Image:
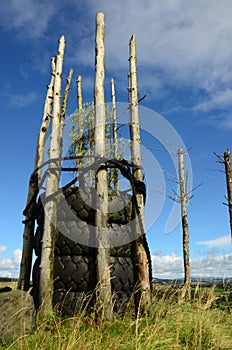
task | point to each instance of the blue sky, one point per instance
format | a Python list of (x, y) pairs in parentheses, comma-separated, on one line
[(184, 57)]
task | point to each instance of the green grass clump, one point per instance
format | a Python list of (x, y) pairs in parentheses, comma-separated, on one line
[(171, 324)]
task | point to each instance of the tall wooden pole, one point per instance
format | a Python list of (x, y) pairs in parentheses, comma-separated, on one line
[(228, 171), (79, 93), (115, 137), (80, 124), (142, 268), (52, 186), (65, 100), (103, 254), (183, 198), (28, 235), (90, 140)]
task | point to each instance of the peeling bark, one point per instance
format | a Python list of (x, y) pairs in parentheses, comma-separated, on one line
[(28, 235), (142, 262), (80, 124), (52, 185), (183, 198), (103, 254)]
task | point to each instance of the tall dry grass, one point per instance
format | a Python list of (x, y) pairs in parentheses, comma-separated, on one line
[(170, 324)]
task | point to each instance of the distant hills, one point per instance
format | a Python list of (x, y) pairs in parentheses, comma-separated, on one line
[(203, 281), (8, 279)]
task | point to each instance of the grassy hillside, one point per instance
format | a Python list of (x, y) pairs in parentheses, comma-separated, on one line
[(203, 323)]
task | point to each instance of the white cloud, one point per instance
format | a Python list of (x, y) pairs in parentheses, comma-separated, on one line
[(219, 100), (167, 266), (17, 255), (212, 266), (171, 266), (180, 43), (9, 267), (30, 18), (22, 100), (226, 122), (218, 242), (2, 248)]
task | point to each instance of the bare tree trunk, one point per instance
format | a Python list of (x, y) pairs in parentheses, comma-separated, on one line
[(52, 185), (80, 109), (64, 107), (65, 100), (183, 197), (228, 171), (80, 124), (140, 252), (28, 235), (79, 93), (115, 137), (103, 255), (90, 138)]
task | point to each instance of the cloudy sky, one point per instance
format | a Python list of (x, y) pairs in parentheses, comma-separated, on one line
[(184, 57)]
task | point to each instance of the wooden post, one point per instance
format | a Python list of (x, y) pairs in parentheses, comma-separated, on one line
[(80, 124), (115, 137), (79, 92), (103, 255), (66, 94), (142, 268), (52, 186), (228, 171), (90, 140), (183, 198), (28, 235)]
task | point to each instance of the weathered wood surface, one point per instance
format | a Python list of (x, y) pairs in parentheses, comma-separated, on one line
[(114, 135), (141, 257), (52, 186), (28, 234), (183, 200), (228, 170), (104, 296)]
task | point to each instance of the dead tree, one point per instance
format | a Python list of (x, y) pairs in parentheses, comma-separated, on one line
[(48, 227), (183, 197), (226, 161), (101, 223), (52, 186), (28, 235), (183, 201), (141, 258), (228, 171)]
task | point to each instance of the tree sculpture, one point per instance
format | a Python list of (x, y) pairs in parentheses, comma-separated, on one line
[(68, 267)]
